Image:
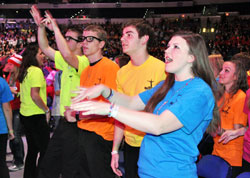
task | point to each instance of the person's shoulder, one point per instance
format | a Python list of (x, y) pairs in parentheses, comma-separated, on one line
[(2, 79), (156, 60), (58, 54), (3, 83), (109, 63), (248, 92), (200, 85), (156, 64), (240, 94), (82, 57), (36, 69)]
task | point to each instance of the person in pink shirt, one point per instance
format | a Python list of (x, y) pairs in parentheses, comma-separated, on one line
[(246, 145)]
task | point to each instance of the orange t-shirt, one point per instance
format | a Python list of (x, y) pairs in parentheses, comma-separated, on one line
[(231, 113), (103, 72)]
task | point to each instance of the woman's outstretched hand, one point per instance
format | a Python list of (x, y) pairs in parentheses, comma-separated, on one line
[(89, 93), (90, 108)]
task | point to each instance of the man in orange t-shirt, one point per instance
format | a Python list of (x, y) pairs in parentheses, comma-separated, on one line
[(96, 135)]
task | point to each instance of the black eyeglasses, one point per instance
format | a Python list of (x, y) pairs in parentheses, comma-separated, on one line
[(89, 38), (68, 38)]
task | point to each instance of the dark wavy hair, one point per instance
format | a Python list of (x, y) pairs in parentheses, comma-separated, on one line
[(143, 28), (29, 59), (241, 81), (244, 57), (200, 68)]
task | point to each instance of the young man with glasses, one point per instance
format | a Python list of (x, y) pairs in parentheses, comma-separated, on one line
[(96, 135), (62, 153)]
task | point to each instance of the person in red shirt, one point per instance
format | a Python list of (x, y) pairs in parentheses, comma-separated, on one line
[(16, 145)]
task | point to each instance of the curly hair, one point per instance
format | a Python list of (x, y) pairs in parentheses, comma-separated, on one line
[(29, 59)]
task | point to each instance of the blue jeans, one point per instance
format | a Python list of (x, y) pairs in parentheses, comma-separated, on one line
[(16, 145)]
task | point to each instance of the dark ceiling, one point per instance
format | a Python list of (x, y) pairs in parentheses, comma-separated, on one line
[(139, 11)]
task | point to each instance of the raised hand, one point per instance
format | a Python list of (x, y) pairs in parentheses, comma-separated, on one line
[(36, 15), (49, 21)]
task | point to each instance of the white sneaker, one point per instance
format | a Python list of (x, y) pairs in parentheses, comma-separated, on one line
[(14, 167)]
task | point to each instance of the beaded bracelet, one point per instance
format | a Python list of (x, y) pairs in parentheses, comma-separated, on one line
[(113, 110), (110, 94), (110, 109)]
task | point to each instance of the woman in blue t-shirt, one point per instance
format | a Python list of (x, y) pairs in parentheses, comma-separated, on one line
[(6, 127), (177, 111)]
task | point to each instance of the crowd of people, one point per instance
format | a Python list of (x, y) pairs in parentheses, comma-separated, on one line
[(108, 87), (231, 36)]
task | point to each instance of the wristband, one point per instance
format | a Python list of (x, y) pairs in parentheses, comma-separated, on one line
[(113, 110), (110, 109), (110, 94), (47, 111), (114, 152), (11, 131)]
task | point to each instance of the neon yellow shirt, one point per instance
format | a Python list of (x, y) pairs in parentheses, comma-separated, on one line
[(70, 78), (132, 80), (34, 78)]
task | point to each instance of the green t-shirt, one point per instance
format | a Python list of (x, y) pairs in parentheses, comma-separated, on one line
[(70, 78), (34, 78)]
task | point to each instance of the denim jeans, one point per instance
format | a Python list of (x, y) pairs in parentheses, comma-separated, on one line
[(16, 145)]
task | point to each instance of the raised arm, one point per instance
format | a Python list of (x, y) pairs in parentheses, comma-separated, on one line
[(41, 33), (62, 45)]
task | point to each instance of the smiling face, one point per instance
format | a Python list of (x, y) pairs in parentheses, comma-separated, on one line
[(177, 57), (130, 40), (227, 75)]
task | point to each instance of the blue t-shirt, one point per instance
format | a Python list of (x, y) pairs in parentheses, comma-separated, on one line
[(5, 96), (174, 154)]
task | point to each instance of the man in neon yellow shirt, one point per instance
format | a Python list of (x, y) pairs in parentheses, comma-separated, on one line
[(143, 72), (62, 153)]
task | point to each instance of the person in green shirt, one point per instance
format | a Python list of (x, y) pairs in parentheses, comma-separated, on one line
[(34, 112), (62, 154)]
